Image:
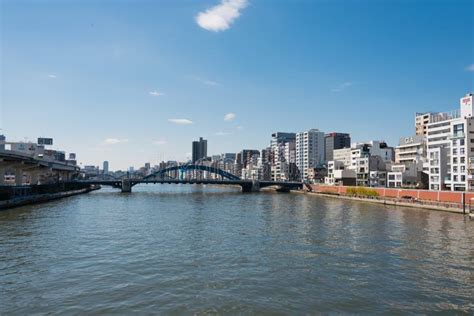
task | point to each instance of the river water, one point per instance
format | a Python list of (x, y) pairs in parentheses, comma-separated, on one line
[(190, 249)]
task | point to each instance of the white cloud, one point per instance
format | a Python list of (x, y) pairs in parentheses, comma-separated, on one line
[(220, 17), (470, 67), (207, 82), (52, 76), (342, 86), (180, 121), (160, 142), (156, 93), (229, 117), (221, 134), (114, 141)]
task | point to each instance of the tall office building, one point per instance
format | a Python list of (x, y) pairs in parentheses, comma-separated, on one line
[(105, 167), (309, 151), (335, 141), (199, 149)]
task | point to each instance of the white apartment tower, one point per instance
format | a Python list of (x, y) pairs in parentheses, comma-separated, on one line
[(450, 146), (309, 151)]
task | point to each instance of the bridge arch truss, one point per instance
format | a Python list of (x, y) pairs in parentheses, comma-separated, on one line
[(191, 167)]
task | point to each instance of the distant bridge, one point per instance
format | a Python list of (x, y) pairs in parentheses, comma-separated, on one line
[(226, 179)]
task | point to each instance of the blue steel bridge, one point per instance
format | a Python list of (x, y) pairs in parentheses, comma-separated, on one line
[(192, 174)]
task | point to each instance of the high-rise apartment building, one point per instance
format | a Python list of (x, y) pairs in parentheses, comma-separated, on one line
[(309, 151), (334, 141), (199, 150), (450, 147), (282, 146)]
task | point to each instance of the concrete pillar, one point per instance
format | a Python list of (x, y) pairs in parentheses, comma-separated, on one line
[(2, 176), (18, 176), (126, 186), (251, 187), (34, 177), (255, 186)]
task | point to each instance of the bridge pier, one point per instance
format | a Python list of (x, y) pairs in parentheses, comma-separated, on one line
[(2, 176), (34, 177), (251, 187), (283, 189), (18, 176), (126, 186)]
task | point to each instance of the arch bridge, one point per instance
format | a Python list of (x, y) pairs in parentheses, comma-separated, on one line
[(192, 174)]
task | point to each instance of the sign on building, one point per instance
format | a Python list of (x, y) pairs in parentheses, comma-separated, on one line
[(45, 141)]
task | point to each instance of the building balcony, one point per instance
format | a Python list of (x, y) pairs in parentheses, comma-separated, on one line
[(457, 135)]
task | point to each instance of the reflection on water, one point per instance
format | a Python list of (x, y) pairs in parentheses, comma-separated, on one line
[(203, 249)]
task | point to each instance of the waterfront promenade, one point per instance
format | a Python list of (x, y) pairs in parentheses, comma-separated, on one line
[(458, 202)]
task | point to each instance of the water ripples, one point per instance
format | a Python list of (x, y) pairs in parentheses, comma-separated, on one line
[(211, 250)]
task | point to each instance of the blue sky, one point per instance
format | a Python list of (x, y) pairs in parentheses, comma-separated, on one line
[(118, 80)]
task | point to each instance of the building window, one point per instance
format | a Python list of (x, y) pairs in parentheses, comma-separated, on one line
[(458, 129)]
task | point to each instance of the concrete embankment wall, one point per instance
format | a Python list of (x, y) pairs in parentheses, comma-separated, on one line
[(41, 198), (437, 200)]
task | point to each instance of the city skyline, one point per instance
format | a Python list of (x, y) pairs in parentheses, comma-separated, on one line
[(129, 84)]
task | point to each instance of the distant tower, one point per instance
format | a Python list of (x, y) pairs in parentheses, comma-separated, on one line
[(106, 167), (2, 142), (199, 149)]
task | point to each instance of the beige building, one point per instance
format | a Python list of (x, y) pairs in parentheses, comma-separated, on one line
[(421, 123), (410, 149)]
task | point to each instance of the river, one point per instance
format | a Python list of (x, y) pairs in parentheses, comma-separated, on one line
[(190, 249)]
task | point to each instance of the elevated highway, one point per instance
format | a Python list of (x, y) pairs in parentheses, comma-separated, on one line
[(24, 165)]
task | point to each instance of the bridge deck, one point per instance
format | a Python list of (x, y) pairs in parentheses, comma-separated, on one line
[(195, 181)]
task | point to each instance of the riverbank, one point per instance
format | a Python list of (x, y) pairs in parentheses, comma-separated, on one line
[(42, 198), (407, 198), (389, 202)]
